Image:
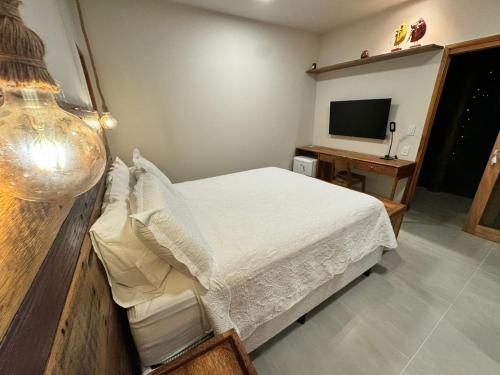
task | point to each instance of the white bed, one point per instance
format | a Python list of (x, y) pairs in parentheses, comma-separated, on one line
[(282, 243)]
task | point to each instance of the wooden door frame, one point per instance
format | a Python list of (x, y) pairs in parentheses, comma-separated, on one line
[(488, 181), (449, 51)]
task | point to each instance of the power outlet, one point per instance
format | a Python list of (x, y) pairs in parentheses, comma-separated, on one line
[(405, 150), (412, 129)]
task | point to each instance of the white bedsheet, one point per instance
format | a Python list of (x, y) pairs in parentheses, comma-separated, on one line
[(166, 324), (277, 236)]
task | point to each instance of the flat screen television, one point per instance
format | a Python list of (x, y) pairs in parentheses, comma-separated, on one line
[(360, 118)]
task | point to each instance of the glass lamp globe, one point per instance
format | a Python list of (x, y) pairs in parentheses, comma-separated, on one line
[(91, 118), (46, 153)]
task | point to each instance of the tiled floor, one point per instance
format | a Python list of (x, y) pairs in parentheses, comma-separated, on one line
[(431, 307)]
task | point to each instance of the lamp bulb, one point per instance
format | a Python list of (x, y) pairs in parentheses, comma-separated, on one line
[(46, 153), (108, 121)]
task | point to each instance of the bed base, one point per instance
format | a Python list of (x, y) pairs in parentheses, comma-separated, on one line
[(302, 319), (299, 311)]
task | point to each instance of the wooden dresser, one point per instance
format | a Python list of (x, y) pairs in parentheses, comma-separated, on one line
[(397, 169), (221, 355)]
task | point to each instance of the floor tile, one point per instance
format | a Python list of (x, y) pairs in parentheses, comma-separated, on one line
[(434, 224), (447, 242), (420, 268), (467, 340), (492, 261), (331, 342), (403, 313), (447, 209)]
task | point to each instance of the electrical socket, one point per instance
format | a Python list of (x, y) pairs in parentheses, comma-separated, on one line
[(405, 150), (411, 129)]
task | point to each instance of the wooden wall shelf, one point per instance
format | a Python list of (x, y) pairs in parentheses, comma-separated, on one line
[(376, 58)]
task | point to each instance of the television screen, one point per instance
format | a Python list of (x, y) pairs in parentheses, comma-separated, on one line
[(360, 118)]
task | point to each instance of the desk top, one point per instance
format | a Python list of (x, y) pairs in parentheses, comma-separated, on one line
[(397, 163)]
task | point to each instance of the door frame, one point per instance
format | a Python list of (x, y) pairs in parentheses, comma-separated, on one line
[(449, 51), (488, 182)]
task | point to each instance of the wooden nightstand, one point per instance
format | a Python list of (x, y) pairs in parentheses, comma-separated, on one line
[(221, 355)]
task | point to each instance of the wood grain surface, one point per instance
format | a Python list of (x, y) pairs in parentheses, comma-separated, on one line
[(486, 206), (33, 328), (27, 231), (56, 310), (221, 355), (377, 58), (362, 157)]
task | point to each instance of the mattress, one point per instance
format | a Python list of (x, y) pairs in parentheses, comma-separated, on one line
[(167, 324)]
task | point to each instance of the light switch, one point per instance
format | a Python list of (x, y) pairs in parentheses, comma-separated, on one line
[(411, 130), (405, 150)]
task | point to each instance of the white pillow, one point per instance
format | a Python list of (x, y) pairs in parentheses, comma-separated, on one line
[(135, 273), (117, 182), (144, 165), (165, 224)]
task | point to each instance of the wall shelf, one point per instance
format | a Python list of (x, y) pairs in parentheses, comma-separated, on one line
[(376, 58)]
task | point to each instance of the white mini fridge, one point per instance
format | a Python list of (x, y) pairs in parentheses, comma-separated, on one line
[(305, 165)]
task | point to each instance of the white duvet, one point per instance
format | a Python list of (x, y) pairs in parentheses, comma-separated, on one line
[(276, 237)]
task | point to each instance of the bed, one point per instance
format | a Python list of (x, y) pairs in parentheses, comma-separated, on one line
[(283, 243)]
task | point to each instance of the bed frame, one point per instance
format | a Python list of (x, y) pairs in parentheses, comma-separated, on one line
[(315, 298), (57, 315)]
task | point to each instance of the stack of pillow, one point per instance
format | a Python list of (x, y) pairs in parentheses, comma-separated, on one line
[(145, 229)]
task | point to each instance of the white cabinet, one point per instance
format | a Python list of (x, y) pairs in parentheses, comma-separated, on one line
[(305, 165)]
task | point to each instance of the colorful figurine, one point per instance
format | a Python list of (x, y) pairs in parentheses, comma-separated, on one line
[(400, 36), (418, 30)]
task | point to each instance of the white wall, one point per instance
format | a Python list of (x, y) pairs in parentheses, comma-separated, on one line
[(52, 21), (409, 81), (201, 93)]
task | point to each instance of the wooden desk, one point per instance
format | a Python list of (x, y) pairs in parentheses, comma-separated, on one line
[(397, 169)]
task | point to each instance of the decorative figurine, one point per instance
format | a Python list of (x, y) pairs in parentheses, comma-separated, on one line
[(400, 36), (365, 54), (418, 30)]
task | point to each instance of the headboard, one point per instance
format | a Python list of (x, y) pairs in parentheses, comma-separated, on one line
[(57, 315)]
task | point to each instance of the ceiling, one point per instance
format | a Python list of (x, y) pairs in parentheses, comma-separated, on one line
[(312, 15)]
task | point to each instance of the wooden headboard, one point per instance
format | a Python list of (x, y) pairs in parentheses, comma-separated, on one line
[(57, 315)]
